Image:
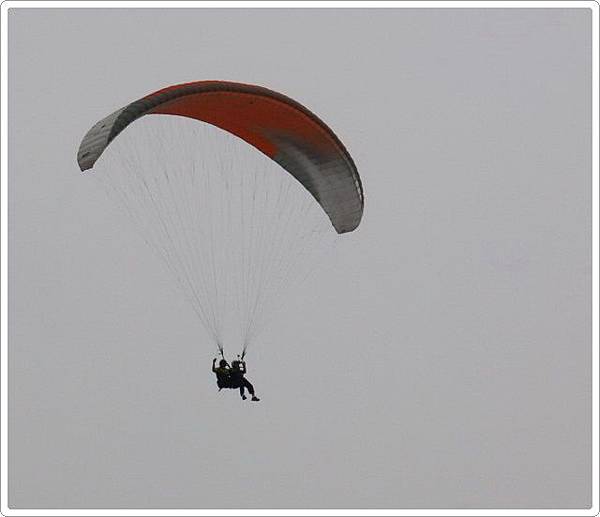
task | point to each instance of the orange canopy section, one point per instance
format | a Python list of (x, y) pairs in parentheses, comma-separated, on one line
[(251, 116)]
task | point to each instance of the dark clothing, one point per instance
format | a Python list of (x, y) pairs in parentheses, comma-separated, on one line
[(224, 382), (245, 384), (238, 369), (237, 377), (223, 377)]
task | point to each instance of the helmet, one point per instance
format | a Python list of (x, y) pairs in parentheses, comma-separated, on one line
[(222, 363)]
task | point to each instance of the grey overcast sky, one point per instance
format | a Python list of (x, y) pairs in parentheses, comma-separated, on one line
[(442, 356)]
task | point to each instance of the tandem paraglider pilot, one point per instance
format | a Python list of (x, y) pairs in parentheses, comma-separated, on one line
[(233, 377)]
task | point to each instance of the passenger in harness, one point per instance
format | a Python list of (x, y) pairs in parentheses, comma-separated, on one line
[(223, 374)]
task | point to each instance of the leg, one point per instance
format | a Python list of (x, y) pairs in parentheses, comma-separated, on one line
[(246, 384), (242, 394)]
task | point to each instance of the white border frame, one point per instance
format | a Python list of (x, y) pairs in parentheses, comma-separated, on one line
[(6, 5)]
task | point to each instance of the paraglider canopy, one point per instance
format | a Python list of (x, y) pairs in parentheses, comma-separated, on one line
[(233, 228), (278, 126)]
